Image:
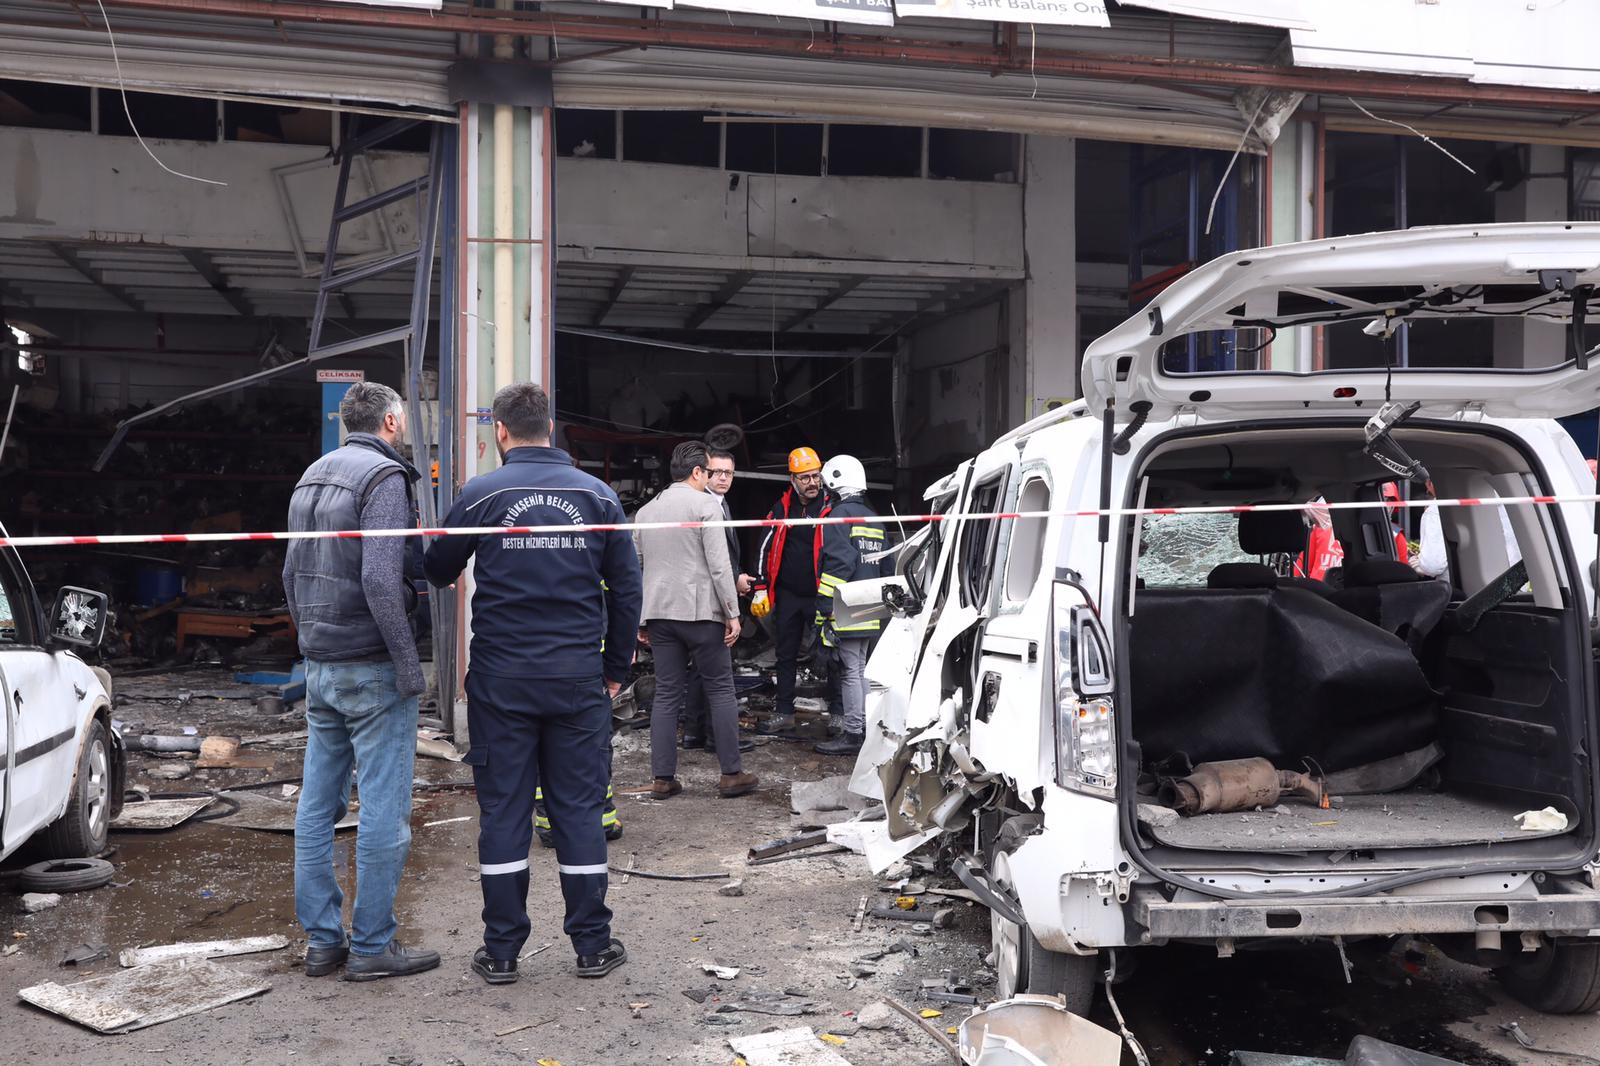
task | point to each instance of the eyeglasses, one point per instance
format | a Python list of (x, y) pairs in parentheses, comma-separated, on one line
[(719, 473), (808, 479)]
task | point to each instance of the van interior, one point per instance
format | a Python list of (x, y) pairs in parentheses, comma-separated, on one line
[(1429, 665)]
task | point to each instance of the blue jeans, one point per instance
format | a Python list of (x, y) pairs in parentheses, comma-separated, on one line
[(354, 716)]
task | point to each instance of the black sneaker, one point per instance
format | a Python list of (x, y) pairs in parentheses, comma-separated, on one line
[(694, 741), (493, 970), (843, 744), (604, 961), (322, 961), (396, 961)]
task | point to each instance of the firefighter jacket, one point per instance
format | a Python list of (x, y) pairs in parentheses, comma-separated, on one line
[(772, 576), (845, 557)]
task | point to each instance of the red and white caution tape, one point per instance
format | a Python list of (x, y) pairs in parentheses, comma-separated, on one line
[(770, 523)]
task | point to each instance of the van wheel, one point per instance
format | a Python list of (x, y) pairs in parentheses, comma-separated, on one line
[(81, 832), (1561, 979), (1022, 964)]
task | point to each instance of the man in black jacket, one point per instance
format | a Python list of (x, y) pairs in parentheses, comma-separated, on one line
[(351, 601), (555, 618), (790, 555)]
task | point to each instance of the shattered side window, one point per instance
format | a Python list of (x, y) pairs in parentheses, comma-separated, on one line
[(8, 620), (1180, 550)]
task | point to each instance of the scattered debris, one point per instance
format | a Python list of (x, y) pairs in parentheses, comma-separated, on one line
[(1156, 816), (163, 813), (921, 1020), (202, 949), (431, 742), (222, 753), (1548, 820), (34, 902), (447, 821), (768, 1003), (774, 848), (863, 969), (1035, 1031), (966, 998), (520, 1028), (786, 1047), (289, 791), (629, 871), (828, 794), (875, 1016), (861, 914), (126, 1000), (271, 815), (732, 888), (82, 953), (700, 995), (1521, 1036), (719, 971), (147, 742), (525, 956), (9, 950), (166, 771)]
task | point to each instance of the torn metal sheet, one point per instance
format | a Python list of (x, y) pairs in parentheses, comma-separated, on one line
[(156, 814), (202, 949), (828, 794), (787, 1047), (126, 1000), (872, 840), (432, 744), (271, 815), (1035, 1031)]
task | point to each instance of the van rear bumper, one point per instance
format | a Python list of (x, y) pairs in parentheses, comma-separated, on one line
[(1571, 913)]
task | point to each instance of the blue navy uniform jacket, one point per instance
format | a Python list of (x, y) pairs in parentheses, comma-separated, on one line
[(540, 609)]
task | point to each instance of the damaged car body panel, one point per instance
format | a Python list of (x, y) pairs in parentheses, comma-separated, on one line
[(1219, 724)]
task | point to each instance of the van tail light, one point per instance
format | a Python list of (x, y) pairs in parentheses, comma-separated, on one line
[(1086, 724)]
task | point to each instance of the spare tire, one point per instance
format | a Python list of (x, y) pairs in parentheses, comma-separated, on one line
[(66, 875)]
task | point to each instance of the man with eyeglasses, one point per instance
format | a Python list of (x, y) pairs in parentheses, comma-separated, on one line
[(790, 558), (695, 734)]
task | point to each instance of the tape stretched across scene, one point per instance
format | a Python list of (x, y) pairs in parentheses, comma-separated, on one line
[(773, 523)]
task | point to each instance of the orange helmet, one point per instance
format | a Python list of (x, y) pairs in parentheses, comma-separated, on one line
[(803, 461)]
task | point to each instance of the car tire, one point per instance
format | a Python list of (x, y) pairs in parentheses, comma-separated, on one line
[(1563, 978), (66, 875), (82, 831), (1023, 965)]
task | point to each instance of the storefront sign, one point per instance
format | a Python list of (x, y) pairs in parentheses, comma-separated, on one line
[(340, 377), (866, 12), (1042, 12)]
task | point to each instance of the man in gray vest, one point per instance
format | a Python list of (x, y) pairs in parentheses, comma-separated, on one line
[(351, 604)]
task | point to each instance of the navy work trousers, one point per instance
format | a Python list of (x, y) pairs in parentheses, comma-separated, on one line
[(526, 732)]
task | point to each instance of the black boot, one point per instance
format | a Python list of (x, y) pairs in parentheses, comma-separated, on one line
[(843, 744), (493, 970), (603, 961)]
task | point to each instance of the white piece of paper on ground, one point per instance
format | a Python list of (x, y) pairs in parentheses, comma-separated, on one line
[(202, 949), (786, 1047), (126, 1000)]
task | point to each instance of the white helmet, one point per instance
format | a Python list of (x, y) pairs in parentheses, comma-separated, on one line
[(845, 475)]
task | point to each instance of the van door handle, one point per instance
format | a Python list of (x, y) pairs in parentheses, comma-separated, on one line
[(16, 698)]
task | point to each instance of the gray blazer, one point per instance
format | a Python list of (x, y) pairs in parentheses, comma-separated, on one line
[(687, 573)]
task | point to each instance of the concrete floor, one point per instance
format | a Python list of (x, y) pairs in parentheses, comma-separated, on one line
[(791, 931)]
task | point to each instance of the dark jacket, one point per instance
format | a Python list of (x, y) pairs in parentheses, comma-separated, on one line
[(545, 604), (789, 548), (322, 578), (844, 551)]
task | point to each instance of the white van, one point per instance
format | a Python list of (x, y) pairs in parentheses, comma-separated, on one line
[(62, 765), (1047, 688)]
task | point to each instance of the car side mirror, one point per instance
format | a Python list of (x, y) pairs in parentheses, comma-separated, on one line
[(78, 618)]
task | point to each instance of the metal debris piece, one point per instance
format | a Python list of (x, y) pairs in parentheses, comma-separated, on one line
[(699, 995), (447, 821), (921, 1022), (774, 848), (732, 888), (271, 815), (720, 972), (629, 871), (861, 914), (434, 746), (82, 953), (202, 949), (950, 997), (1035, 1031), (520, 1028), (875, 1016), (126, 1000), (158, 814), (166, 771)]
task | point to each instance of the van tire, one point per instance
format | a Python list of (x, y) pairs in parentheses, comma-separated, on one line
[(81, 831), (1051, 973), (1561, 979)]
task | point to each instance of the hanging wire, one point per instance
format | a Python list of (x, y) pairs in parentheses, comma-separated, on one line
[(1249, 128), (1426, 139), (123, 89)]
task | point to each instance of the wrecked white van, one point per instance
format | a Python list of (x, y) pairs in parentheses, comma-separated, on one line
[(1207, 728)]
